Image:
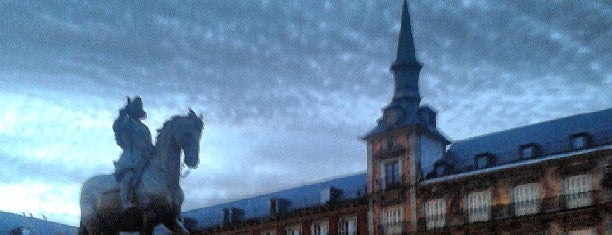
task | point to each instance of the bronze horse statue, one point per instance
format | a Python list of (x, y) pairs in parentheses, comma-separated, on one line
[(158, 194)]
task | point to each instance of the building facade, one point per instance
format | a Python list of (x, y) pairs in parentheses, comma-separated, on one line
[(553, 177), (335, 206)]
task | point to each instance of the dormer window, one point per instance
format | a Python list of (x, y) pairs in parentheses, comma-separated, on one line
[(580, 141), (528, 151), (278, 206), (232, 215), (440, 170), (484, 160), (427, 116)]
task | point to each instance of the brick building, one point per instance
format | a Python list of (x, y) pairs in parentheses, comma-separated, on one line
[(337, 206), (552, 177)]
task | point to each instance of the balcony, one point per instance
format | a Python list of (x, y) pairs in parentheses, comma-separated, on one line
[(398, 228), (382, 185), (526, 209)]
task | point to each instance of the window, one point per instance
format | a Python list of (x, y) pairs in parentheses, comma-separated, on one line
[(268, 232), (588, 231), (478, 206), (439, 170), (484, 160), (528, 151), (347, 226), (579, 141), (577, 190), (319, 228), (392, 220), (526, 199), (435, 213), (392, 172), (293, 230)]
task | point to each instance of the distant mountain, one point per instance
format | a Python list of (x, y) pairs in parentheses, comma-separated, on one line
[(10, 222)]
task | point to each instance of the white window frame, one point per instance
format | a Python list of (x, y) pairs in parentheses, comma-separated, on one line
[(293, 230), (320, 228), (268, 232), (577, 190), (344, 226), (586, 231), (478, 206), (435, 213), (383, 172), (526, 199), (392, 219)]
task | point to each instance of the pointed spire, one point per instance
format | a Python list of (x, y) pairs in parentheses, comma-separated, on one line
[(405, 45)]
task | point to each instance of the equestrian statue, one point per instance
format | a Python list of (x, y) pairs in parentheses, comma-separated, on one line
[(144, 191)]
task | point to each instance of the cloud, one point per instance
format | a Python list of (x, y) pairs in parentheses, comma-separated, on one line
[(286, 88)]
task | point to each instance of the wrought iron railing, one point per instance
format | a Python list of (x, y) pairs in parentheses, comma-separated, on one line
[(535, 207), (397, 228)]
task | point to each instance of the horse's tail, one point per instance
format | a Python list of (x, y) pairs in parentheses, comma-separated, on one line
[(85, 205), (82, 229)]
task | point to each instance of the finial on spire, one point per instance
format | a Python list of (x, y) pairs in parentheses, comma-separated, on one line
[(405, 46)]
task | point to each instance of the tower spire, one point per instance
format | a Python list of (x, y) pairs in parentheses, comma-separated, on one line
[(405, 45), (406, 67)]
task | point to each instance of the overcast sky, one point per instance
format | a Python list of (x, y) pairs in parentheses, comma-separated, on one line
[(286, 87)]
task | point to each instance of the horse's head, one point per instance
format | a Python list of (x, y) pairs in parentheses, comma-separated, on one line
[(188, 134)]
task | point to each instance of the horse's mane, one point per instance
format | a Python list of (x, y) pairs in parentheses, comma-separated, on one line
[(164, 130)]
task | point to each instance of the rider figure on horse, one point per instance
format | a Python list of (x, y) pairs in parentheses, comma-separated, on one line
[(134, 138)]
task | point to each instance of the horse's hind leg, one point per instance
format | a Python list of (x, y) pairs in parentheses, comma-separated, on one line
[(175, 225), (149, 220)]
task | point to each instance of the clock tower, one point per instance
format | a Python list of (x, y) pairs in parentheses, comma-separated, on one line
[(403, 146)]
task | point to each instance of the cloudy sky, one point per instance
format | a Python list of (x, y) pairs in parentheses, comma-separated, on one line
[(286, 87)]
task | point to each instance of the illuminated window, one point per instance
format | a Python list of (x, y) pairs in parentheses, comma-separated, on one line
[(577, 190), (392, 220), (478, 206), (268, 232), (526, 199), (347, 226), (293, 230), (435, 213), (588, 231), (320, 228)]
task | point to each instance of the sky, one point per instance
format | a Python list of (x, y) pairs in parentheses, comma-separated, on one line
[(286, 88)]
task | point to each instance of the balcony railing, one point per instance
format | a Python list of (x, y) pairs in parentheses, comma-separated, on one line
[(382, 185), (512, 210), (398, 228)]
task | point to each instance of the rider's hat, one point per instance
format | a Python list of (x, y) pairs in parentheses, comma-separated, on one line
[(135, 110)]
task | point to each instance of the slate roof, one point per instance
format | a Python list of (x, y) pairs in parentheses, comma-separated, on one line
[(10, 221), (551, 137), (352, 186), (411, 120)]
